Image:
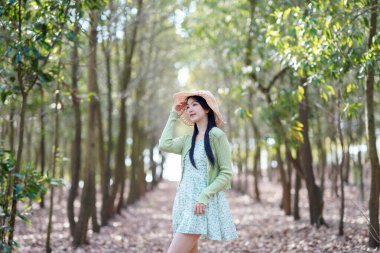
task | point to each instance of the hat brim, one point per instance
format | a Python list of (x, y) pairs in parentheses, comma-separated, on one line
[(180, 100)]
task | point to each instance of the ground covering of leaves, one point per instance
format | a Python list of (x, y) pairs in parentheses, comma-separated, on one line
[(262, 227)]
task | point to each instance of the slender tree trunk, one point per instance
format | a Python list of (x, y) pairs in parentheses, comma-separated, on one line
[(321, 153), (107, 169), (12, 128), (142, 133), (163, 158), (342, 162), (29, 137), (76, 143), (361, 133), (153, 165), (347, 164), (101, 153), (17, 165), (374, 238), (334, 169), (134, 189), (257, 156), (88, 193), (42, 142), (297, 187), (240, 170), (246, 156), (286, 199), (137, 183), (55, 155), (124, 82), (314, 192), (24, 103), (256, 174), (361, 179)]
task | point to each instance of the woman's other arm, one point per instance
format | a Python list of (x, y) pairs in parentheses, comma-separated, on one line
[(166, 142)]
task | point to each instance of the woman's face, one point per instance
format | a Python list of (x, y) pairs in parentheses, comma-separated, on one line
[(195, 111)]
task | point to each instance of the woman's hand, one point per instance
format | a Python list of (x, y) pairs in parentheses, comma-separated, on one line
[(179, 108), (199, 208)]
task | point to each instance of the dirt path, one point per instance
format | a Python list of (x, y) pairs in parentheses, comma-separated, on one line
[(262, 227)]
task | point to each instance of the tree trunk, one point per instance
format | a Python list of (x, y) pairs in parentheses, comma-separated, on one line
[(134, 189), (286, 198), (101, 153), (347, 167), (18, 164), (314, 192), (12, 128), (29, 137), (137, 183), (371, 129), (129, 47), (321, 153), (76, 143), (257, 156), (341, 164), (361, 179), (334, 168), (88, 193), (256, 173), (17, 169), (246, 156), (153, 165), (297, 187), (42, 142), (161, 165), (240, 170), (107, 169), (55, 153)]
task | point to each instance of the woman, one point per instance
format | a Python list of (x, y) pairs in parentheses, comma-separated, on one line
[(200, 207)]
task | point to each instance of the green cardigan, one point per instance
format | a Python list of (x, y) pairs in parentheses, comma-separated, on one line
[(219, 175)]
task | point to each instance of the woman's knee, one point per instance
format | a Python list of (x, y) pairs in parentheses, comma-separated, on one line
[(183, 243)]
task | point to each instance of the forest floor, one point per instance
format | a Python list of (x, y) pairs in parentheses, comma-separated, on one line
[(262, 227)]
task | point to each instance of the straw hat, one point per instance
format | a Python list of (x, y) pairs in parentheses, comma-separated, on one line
[(180, 100)]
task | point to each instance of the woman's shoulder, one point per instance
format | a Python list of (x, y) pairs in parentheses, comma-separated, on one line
[(217, 132)]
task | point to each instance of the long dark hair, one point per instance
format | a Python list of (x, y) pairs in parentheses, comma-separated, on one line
[(211, 123)]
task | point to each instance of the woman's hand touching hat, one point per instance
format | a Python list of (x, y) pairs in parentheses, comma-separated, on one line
[(180, 107)]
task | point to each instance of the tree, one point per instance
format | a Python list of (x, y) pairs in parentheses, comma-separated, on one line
[(374, 239), (129, 49), (87, 208), (28, 57), (77, 141)]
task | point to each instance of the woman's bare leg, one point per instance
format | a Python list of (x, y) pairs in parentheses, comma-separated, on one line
[(183, 243), (195, 248)]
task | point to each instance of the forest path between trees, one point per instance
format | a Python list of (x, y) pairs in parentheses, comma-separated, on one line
[(262, 227)]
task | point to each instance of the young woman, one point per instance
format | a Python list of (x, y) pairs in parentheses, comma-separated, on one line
[(200, 207)]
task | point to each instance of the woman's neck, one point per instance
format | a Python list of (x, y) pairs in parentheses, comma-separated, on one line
[(201, 129)]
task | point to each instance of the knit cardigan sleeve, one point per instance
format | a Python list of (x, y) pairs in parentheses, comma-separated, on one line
[(224, 165), (166, 142)]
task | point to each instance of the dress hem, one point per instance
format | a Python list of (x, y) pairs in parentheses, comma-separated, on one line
[(205, 237)]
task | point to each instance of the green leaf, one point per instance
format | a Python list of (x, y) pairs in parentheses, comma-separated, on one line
[(71, 36), (324, 96), (45, 77), (17, 58), (330, 89), (286, 13), (350, 88), (300, 93)]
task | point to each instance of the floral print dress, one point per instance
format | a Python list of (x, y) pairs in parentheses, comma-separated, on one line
[(217, 222)]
